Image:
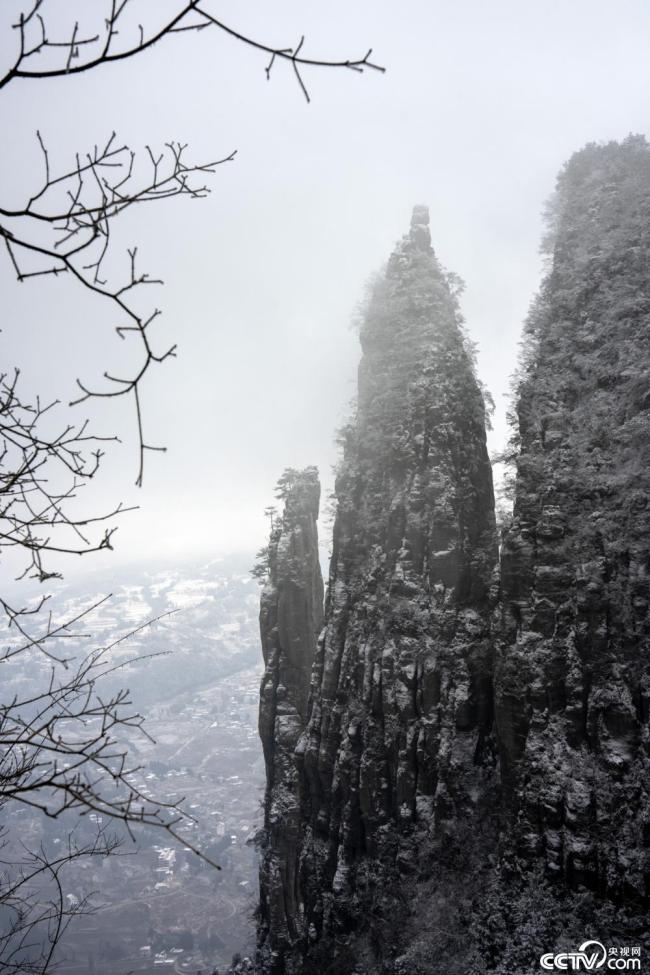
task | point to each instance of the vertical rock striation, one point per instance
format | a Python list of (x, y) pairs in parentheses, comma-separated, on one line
[(572, 679), (465, 783), (400, 734), (290, 617)]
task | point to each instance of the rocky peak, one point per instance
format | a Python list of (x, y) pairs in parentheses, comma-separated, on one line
[(291, 614), (464, 783), (573, 678), (419, 234), (399, 734)]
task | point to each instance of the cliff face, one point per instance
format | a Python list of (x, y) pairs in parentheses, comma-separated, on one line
[(468, 784), (399, 738), (572, 679), (291, 614)]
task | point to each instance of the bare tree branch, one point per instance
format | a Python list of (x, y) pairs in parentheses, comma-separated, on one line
[(41, 475), (79, 205), (65, 746), (65, 228), (36, 912), (33, 40)]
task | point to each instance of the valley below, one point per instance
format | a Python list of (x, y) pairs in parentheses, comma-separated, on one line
[(154, 905)]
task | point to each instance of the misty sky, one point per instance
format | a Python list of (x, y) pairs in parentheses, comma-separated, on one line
[(481, 105)]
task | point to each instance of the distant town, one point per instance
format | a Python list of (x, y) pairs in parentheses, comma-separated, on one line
[(155, 905)]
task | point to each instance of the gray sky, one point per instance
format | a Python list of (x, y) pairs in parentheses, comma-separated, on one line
[(480, 106)]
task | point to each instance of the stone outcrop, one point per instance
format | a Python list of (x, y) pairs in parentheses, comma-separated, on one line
[(291, 614), (465, 785), (400, 733), (572, 678)]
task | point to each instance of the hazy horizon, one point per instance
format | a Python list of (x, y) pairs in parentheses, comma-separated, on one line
[(480, 107)]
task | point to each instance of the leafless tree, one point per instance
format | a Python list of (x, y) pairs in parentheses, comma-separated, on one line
[(65, 228), (64, 747), (34, 512), (118, 39), (65, 225), (36, 908)]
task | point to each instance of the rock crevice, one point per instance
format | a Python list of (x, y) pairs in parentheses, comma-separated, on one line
[(457, 766)]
